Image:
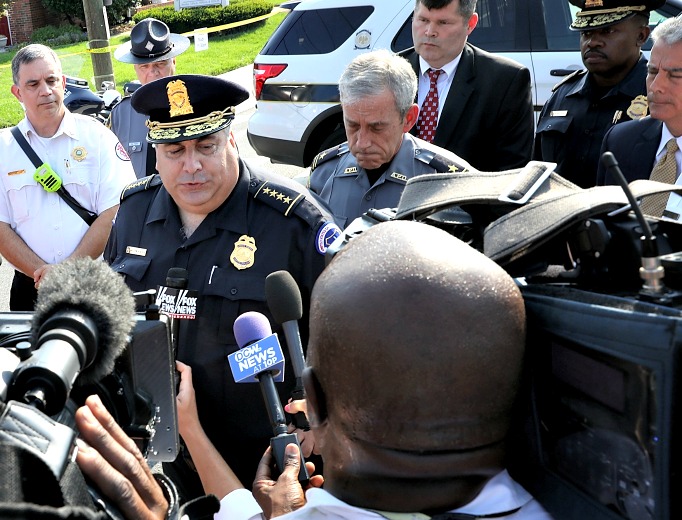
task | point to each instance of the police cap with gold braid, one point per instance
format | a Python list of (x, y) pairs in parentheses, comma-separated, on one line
[(595, 14), (187, 106)]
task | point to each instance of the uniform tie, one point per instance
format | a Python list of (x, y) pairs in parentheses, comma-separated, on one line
[(428, 115), (664, 171)]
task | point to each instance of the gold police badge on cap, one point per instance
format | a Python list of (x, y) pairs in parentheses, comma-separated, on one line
[(178, 98), (242, 256), (638, 108)]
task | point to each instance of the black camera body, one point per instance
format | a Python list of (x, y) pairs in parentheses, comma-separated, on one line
[(600, 431), (139, 393)]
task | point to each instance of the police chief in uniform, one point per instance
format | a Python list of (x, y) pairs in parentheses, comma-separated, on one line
[(229, 225), (152, 50), (370, 170), (610, 90)]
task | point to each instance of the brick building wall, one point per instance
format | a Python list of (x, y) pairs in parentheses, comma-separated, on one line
[(25, 16)]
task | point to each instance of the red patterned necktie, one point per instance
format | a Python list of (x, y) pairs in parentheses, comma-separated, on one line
[(428, 115)]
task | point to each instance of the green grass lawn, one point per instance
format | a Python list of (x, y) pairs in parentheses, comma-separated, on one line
[(224, 53)]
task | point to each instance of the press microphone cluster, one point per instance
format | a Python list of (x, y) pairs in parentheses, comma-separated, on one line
[(260, 358)]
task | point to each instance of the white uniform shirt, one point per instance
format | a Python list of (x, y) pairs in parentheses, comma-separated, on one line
[(94, 169), (443, 83), (500, 494)]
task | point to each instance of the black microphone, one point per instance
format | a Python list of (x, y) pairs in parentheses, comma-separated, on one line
[(83, 317), (652, 271), (284, 300), (250, 328), (177, 278)]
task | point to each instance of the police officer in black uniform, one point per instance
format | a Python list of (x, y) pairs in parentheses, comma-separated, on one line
[(229, 225), (152, 50), (610, 90)]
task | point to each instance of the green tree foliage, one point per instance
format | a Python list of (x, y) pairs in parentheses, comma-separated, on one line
[(73, 9)]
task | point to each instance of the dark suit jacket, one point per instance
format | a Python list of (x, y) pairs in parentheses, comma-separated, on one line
[(634, 144), (487, 118)]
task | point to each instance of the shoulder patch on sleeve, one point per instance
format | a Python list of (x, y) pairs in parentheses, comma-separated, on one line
[(326, 235), (140, 185), (326, 155), (439, 162), (121, 152), (574, 76)]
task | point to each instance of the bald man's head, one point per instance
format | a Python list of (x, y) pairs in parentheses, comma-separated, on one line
[(416, 344)]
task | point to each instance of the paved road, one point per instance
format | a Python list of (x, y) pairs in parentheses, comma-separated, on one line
[(242, 76)]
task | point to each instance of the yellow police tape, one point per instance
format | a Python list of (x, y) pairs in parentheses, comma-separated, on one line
[(205, 30), (110, 48)]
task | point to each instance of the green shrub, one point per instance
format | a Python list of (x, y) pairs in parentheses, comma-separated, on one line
[(197, 17), (53, 36)]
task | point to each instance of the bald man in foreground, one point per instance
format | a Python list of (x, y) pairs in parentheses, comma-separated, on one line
[(414, 359)]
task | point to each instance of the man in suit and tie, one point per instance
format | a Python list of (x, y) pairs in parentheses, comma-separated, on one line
[(649, 148), (475, 104)]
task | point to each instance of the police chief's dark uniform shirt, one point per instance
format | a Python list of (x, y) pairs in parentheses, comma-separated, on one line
[(575, 119), (286, 233)]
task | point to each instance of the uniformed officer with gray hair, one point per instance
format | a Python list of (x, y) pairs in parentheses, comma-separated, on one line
[(371, 169)]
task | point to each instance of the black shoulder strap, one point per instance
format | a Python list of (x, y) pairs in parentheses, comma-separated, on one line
[(88, 216)]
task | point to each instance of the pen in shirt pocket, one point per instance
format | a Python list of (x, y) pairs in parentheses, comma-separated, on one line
[(210, 278), (67, 165)]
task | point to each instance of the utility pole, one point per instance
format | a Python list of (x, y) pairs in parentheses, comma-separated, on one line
[(98, 36)]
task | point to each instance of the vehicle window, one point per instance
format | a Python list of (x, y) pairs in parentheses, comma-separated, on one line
[(317, 31), (497, 29), (403, 40), (558, 17)]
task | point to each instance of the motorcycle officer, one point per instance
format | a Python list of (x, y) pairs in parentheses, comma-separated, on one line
[(152, 50)]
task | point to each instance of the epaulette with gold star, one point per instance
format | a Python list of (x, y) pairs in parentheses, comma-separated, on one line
[(139, 185), (328, 154), (438, 162), (570, 78)]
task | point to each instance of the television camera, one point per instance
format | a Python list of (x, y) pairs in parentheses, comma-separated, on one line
[(598, 432), (84, 338)]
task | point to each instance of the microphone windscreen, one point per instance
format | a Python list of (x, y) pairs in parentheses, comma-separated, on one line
[(93, 288), (251, 326), (283, 297)]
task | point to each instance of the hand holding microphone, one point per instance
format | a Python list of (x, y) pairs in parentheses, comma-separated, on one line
[(260, 357)]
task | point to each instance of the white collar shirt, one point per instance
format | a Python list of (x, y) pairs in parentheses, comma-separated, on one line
[(94, 169), (501, 494), (443, 83)]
